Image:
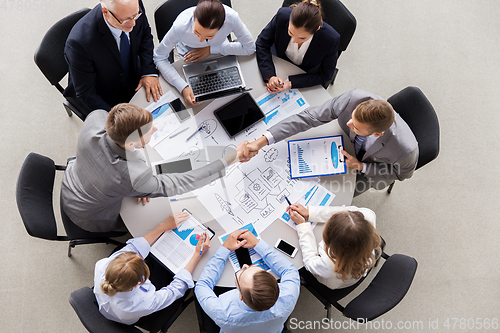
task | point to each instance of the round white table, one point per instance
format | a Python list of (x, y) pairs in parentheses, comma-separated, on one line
[(140, 219)]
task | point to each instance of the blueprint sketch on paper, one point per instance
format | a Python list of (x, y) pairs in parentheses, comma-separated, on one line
[(251, 192), (254, 192)]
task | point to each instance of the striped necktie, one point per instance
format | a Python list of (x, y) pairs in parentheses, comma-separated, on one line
[(358, 142)]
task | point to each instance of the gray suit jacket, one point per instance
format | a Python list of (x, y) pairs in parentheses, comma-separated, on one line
[(392, 156), (103, 174)]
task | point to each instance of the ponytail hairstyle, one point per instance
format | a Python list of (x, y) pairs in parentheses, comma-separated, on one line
[(349, 242), (307, 15), (124, 273), (210, 14)]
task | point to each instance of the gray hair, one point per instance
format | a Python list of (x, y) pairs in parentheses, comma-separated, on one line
[(110, 4)]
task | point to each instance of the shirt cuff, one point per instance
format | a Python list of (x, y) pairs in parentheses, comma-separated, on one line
[(222, 252), (261, 246), (155, 75), (364, 168), (186, 277), (215, 49), (141, 245), (270, 137)]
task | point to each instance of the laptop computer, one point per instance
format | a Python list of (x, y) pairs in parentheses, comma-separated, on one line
[(214, 78)]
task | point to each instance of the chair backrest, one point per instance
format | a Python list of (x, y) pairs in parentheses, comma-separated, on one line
[(385, 291), (85, 305), (49, 56), (168, 11), (338, 16), (418, 113), (34, 190)]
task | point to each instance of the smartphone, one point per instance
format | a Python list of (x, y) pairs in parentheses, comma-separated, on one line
[(286, 248), (243, 256), (180, 109)]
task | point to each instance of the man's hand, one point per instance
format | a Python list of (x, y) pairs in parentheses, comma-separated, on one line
[(255, 146), (152, 86), (233, 241), (250, 238), (276, 84), (175, 220), (189, 96), (144, 200), (301, 210), (197, 54), (352, 162)]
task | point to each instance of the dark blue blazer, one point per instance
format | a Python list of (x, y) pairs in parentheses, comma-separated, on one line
[(319, 61), (95, 66)]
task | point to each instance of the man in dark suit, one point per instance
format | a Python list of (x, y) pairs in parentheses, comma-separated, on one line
[(385, 147), (110, 55)]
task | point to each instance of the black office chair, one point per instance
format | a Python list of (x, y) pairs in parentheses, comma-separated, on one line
[(167, 12), (49, 57), (85, 305), (386, 290), (340, 18), (34, 195), (418, 113)]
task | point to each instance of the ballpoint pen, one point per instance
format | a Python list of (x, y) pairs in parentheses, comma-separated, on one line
[(178, 132), (289, 203), (203, 242), (199, 129)]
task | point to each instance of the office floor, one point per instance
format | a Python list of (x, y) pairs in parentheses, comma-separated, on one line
[(445, 216)]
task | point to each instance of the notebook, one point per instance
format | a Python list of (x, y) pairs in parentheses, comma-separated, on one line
[(214, 78)]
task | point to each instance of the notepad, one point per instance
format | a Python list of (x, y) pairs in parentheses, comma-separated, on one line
[(316, 157)]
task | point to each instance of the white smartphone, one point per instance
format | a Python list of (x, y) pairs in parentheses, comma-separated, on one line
[(286, 248)]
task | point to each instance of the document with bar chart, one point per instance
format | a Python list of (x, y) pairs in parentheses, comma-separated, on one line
[(316, 157)]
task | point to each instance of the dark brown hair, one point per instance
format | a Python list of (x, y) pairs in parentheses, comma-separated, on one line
[(124, 273), (210, 14), (349, 242), (124, 119), (307, 15), (377, 113), (264, 293)]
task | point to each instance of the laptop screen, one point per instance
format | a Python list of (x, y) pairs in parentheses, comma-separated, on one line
[(239, 114)]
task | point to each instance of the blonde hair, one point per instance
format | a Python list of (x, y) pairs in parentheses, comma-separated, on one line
[(123, 273), (376, 113), (124, 119), (349, 242)]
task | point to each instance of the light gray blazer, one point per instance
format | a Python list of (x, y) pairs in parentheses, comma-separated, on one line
[(103, 174), (392, 156)]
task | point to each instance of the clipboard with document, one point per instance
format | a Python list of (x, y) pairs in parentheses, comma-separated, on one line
[(315, 157)]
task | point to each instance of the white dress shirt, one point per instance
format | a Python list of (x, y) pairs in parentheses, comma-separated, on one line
[(128, 307), (315, 258), (296, 54), (181, 36)]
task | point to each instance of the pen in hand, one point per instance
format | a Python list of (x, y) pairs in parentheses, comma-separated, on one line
[(203, 242), (289, 203)]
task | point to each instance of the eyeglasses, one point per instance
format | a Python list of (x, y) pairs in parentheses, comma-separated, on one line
[(127, 20)]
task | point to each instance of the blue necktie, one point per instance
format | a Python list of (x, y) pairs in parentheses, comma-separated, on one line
[(358, 142), (125, 55)]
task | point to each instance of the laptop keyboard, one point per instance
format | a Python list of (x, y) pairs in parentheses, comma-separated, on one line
[(222, 79)]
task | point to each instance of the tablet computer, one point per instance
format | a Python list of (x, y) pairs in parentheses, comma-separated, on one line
[(172, 166), (239, 114)]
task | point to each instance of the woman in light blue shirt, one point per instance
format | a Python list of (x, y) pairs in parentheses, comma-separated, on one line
[(196, 33), (122, 287)]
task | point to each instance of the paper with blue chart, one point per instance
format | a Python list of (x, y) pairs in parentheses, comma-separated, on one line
[(316, 196), (256, 258), (277, 107), (176, 247), (316, 157)]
